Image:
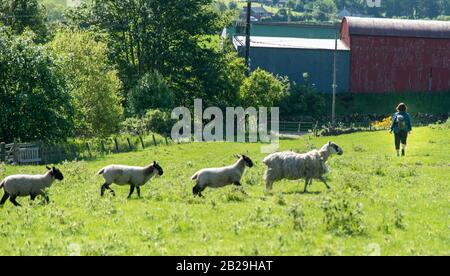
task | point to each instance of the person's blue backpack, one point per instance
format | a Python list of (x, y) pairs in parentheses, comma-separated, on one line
[(401, 122)]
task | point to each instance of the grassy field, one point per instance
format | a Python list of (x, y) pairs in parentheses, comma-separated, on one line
[(380, 204)]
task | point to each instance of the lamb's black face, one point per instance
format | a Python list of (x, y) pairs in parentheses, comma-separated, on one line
[(248, 161), (336, 148), (56, 173), (158, 168)]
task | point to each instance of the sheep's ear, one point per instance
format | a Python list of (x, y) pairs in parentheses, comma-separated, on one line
[(154, 163), (54, 168), (330, 143), (48, 168)]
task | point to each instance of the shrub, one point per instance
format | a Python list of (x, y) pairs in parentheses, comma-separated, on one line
[(262, 88), (158, 121), (342, 217), (133, 125), (383, 124), (298, 218), (303, 100)]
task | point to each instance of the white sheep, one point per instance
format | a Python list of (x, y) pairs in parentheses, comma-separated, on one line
[(128, 175), (28, 185), (220, 177), (294, 166)]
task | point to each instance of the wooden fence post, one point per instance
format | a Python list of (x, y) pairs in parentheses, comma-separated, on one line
[(154, 140), (142, 141), (129, 144), (102, 144), (88, 149), (2, 152), (117, 144)]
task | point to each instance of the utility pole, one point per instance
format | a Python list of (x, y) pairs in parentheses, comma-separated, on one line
[(247, 36), (333, 109)]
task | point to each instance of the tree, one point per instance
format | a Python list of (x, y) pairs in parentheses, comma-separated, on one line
[(152, 91), (324, 10), (34, 99), (262, 88), (93, 83), (172, 37), (23, 14)]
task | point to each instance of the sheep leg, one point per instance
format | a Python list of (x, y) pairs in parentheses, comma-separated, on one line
[(269, 184), (33, 197), (131, 191), (307, 182), (13, 201), (103, 188), (197, 190), (4, 198), (325, 182), (111, 190), (138, 190), (106, 187)]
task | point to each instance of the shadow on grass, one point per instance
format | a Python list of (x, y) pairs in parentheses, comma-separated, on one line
[(301, 193)]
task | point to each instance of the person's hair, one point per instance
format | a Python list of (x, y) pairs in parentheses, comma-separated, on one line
[(401, 107)]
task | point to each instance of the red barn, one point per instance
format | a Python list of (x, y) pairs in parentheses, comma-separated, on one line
[(398, 55)]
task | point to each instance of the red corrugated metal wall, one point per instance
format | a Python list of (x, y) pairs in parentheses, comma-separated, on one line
[(387, 64), (345, 32)]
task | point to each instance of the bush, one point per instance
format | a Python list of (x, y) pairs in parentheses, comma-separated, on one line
[(133, 125), (158, 121), (383, 124), (343, 217), (262, 88), (152, 91), (302, 100)]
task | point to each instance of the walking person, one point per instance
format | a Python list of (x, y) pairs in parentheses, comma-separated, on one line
[(401, 127)]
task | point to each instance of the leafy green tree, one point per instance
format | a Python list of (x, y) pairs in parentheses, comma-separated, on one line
[(172, 37), (324, 10), (34, 100), (23, 14), (152, 91), (262, 88), (93, 83)]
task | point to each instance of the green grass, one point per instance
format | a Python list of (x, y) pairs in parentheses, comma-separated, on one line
[(404, 204)]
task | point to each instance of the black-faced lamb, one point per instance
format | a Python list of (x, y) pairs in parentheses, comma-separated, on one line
[(220, 177), (293, 166), (128, 175), (29, 185)]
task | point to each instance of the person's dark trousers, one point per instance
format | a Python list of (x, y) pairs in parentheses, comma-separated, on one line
[(401, 138)]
